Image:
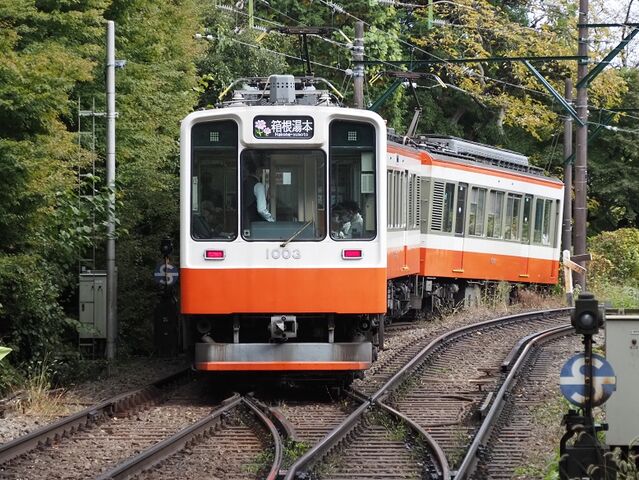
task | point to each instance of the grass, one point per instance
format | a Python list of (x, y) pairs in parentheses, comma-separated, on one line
[(617, 296), (39, 399), (293, 450)]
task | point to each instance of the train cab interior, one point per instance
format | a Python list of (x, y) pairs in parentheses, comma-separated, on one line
[(283, 194)]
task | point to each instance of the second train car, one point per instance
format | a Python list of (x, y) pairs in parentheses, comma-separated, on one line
[(304, 224)]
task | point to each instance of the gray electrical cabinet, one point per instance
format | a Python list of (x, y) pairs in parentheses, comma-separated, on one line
[(93, 305), (622, 352)]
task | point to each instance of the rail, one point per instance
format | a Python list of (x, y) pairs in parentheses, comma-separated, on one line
[(177, 442), (341, 431), (469, 462), (89, 416)]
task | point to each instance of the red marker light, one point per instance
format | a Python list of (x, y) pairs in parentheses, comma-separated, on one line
[(214, 255), (351, 254)]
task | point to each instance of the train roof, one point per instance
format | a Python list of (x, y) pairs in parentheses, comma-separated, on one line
[(468, 151), (281, 90)]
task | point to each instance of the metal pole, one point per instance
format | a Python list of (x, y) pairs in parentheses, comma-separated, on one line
[(588, 391), (112, 319), (251, 18), (358, 71), (581, 157), (566, 235)]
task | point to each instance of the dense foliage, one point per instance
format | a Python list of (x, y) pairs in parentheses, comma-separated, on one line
[(614, 270), (53, 61)]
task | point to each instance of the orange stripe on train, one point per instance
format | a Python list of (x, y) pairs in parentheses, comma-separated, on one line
[(487, 266), (307, 290)]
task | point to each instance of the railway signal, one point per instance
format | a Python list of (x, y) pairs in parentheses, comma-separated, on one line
[(585, 456), (587, 318)]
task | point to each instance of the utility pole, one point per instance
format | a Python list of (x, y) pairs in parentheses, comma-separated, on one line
[(566, 232), (112, 317), (358, 70), (581, 157)]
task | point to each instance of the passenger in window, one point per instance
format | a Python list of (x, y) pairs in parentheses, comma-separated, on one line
[(254, 195), (353, 225), (337, 221), (208, 224)]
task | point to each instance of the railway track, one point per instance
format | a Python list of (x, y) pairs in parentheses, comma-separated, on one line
[(172, 426), (411, 443), (396, 424), (237, 440), (505, 447)]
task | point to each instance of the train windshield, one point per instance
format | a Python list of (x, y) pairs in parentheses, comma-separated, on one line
[(283, 195), (352, 181), (214, 181)]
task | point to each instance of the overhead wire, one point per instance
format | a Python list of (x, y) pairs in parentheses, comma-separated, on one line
[(338, 8), (293, 57)]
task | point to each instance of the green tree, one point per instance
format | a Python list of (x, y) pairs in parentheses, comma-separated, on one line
[(614, 168), (48, 48), (155, 90)]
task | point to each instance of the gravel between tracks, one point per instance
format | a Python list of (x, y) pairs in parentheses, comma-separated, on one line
[(125, 375)]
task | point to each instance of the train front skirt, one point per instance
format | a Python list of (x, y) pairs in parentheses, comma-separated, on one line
[(283, 356)]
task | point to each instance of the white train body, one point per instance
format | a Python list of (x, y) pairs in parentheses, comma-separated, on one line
[(362, 227)]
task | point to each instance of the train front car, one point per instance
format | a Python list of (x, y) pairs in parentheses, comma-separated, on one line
[(283, 252)]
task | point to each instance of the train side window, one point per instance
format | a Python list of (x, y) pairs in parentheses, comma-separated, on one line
[(539, 215), (545, 232), (414, 200), (525, 223), (556, 227), (513, 216), (390, 199), (214, 199), (449, 207), (476, 211), (460, 214), (398, 200), (494, 217), (404, 200), (425, 195)]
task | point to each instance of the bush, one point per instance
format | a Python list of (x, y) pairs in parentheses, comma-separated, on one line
[(615, 257), (31, 319)]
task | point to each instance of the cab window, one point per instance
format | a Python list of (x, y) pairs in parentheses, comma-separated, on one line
[(214, 181), (282, 195), (352, 185)]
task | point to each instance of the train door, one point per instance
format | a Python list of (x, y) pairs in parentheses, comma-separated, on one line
[(286, 191), (526, 220), (461, 198)]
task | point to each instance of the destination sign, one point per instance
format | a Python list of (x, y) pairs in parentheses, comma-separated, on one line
[(283, 127)]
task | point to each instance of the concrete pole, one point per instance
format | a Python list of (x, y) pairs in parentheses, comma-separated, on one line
[(112, 318), (358, 71), (581, 157), (566, 231)]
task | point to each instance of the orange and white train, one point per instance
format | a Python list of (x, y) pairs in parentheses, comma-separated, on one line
[(304, 225)]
